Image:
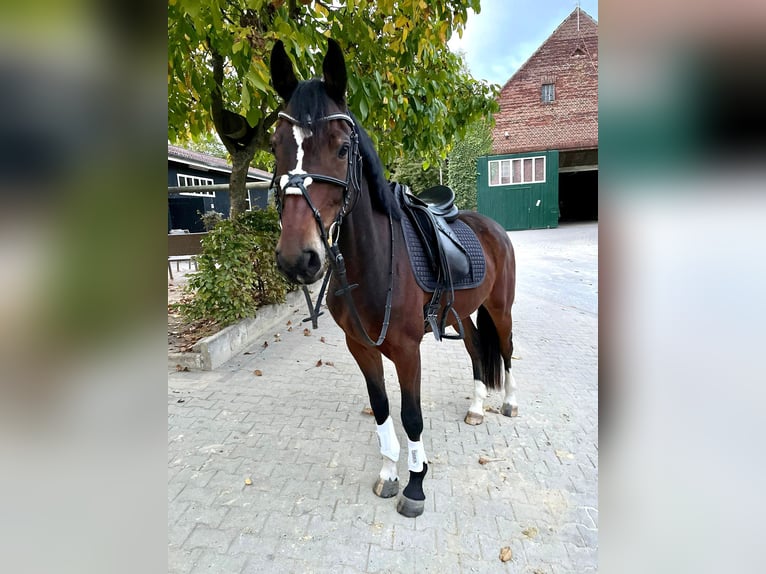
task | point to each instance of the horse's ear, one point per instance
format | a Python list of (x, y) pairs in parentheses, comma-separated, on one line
[(282, 75), (334, 68)]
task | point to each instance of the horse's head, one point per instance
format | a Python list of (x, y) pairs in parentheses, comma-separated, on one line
[(317, 162)]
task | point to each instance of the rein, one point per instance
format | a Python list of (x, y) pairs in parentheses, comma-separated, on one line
[(296, 183)]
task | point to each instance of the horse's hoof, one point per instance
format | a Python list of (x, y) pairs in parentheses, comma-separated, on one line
[(386, 488), (410, 508), (510, 410), (472, 418)]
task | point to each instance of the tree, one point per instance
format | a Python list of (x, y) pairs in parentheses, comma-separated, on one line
[(405, 86), (408, 169), (463, 173)]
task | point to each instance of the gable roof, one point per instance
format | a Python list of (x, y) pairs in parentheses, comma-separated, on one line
[(187, 156), (568, 58)]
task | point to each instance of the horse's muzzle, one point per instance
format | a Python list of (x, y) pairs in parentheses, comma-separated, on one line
[(304, 269)]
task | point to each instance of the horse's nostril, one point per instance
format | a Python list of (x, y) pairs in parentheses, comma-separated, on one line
[(313, 262)]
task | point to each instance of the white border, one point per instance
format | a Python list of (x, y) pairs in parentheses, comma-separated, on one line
[(199, 181), (511, 159)]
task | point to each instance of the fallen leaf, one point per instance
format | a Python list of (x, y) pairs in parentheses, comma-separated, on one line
[(248, 481), (491, 410), (289, 329), (265, 344), (485, 459), (321, 339), (181, 401), (515, 358), (180, 368), (258, 373), (248, 353), (329, 363), (289, 323), (530, 532), (367, 411), (505, 554), (563, 454), (319, 363), (277, 336), (307, 332)]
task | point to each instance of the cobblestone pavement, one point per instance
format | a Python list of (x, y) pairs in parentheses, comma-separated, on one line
[(299, 433)]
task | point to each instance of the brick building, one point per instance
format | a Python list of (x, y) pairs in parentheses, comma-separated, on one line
[(544, 163)]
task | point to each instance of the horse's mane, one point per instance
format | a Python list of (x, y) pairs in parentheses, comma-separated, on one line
[(308, 102)]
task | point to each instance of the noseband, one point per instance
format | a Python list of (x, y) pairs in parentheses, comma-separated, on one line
[(295, 183)]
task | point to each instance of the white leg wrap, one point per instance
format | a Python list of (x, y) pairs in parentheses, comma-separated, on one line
[(510, 389), (389, 444), (417, 456), (388, 472), (479, 394)]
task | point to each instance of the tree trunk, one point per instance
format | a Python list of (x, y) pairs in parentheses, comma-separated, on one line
[(241, 147), (237, 191)]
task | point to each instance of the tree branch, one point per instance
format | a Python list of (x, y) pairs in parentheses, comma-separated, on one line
[(216, 99)]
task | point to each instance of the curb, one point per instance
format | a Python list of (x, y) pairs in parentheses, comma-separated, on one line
[(211, 352)]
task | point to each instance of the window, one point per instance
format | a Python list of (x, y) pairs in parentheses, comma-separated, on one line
[(548, 93), (494, 173), (189, 180), (516, 171)]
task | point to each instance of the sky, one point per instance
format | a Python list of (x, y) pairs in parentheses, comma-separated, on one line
[(499, 39)]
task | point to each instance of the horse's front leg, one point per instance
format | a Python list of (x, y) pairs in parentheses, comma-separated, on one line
[(412, 501), (371, 363)]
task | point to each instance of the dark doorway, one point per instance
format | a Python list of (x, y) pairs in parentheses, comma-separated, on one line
[(578, 196), (183, 213)]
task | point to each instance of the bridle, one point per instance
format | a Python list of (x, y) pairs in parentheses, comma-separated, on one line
[(295, 184)]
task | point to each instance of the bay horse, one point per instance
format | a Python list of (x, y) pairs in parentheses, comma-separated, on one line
[(337, 209)]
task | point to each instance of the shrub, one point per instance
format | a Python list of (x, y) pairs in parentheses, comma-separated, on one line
[(210, 219), (463, 174), (237, 271)]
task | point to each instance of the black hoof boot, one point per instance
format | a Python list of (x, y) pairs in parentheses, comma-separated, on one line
[(413, 500)]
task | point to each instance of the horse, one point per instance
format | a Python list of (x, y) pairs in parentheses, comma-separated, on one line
[(337, 210)]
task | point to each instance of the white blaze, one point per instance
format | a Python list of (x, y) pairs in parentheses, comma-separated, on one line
[(299, 134)]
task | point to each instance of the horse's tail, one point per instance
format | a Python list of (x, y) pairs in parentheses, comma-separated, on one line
[(489, 343)]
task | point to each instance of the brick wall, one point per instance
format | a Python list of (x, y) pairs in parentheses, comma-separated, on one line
[(569, 60)]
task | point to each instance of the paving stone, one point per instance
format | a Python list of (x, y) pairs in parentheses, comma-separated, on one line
[(213, 563)]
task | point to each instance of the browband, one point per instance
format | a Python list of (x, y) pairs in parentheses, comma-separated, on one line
[(338, 116)]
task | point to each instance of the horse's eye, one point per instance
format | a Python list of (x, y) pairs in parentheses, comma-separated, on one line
[(343, 151)]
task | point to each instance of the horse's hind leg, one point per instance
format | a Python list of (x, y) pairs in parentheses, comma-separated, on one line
[(475, 414), (371, 363), (504, 325), (510, 406)]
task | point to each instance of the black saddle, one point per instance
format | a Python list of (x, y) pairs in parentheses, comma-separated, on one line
[(429, 212), (440, 200)]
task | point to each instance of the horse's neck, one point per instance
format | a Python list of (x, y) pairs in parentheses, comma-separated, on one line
[(365, 242)]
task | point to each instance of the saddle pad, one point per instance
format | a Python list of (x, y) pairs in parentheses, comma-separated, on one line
[(419, 260)]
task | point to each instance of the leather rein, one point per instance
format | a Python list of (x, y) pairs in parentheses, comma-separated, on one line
[(296, 183)]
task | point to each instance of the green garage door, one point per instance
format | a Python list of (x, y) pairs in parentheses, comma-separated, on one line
[(519, 191)]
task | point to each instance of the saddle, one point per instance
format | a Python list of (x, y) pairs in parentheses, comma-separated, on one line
[(430, 212)]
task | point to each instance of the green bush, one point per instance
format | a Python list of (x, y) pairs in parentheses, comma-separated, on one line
[(237, 270), (463, 174), (210, 219)]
